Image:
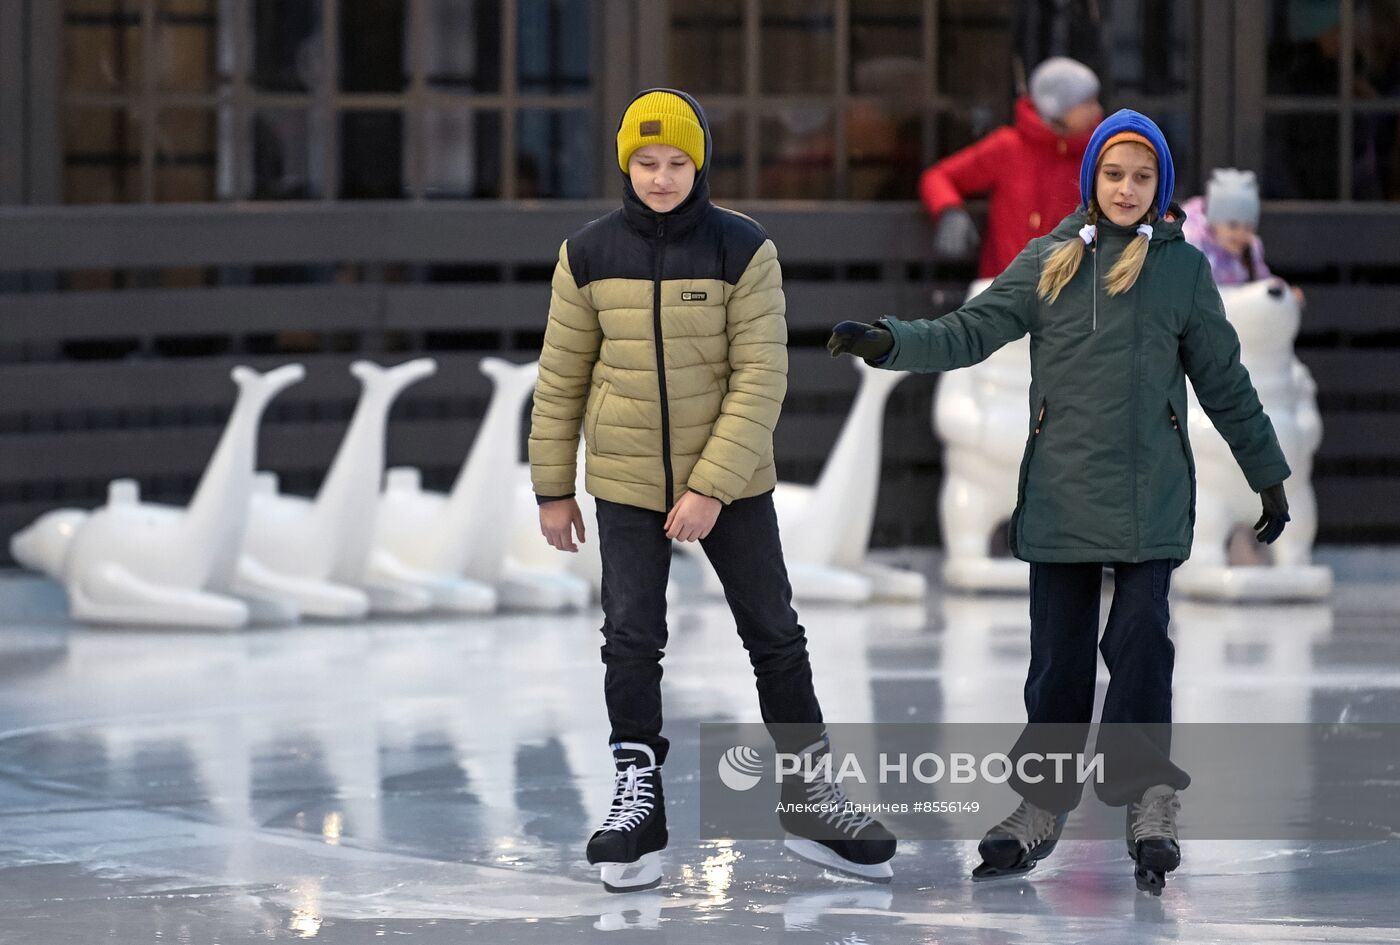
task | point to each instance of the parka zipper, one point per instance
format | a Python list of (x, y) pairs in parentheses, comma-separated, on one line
[(1094, 251), (1017, 515), (1133, 407), (668, 496)]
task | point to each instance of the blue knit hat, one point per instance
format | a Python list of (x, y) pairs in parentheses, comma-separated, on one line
[(1127, 120)]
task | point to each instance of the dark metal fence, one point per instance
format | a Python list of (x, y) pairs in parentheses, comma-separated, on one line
[(118, 327)]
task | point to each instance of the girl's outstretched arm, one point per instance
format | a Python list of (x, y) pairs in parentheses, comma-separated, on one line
[(998, 316)]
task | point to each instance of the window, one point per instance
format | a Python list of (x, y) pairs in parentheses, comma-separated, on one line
[(820, 99), (197, 100), (1152, 59), (1332, 96)]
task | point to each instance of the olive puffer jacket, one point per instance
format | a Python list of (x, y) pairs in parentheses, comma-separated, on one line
[(1107, 473), (667, 348)]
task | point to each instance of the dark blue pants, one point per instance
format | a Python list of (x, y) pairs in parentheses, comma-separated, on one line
[(745, 551), (1135, 738)]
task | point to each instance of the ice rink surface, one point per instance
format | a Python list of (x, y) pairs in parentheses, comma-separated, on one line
[(434, 781)]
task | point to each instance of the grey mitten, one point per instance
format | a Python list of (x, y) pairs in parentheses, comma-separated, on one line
[(956, 237)]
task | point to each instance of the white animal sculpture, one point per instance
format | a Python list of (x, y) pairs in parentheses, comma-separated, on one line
[(130, 562), (826, 527), (977, 411), (465, 535), (575, 578), (331, 539), (825, 555), (1266, 316)]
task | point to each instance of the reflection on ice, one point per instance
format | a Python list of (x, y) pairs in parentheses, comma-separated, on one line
[(438, 778)]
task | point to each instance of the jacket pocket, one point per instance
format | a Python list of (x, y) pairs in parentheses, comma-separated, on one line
[(1018, 516), (1178, 421), (590, 430)]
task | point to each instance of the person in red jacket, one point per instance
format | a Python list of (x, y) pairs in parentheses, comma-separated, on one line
[(1031, 170)]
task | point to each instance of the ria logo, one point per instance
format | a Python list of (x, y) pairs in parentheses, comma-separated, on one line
[(740, 768)]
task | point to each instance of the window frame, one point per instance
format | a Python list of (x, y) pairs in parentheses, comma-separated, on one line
[(233, 101)]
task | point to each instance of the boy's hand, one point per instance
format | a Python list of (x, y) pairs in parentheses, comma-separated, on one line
[(1270, 524), (692, 517), (864, 341), (559, 520)]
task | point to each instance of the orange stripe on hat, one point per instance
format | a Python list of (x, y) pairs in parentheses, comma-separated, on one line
[(1123, 136)]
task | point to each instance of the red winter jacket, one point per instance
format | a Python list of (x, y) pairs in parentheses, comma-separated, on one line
[(1032, 173)]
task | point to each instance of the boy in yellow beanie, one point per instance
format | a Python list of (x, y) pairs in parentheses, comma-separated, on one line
[(667, 349)]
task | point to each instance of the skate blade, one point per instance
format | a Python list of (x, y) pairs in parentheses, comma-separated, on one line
[(822, 856), (1150, 881), (987, 873), (645, 873)]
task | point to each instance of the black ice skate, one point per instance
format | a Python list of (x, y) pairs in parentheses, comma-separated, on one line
[(1152, 841), (1014, 846), (822, 830), (629, 843)]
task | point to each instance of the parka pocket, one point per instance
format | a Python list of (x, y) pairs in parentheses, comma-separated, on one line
[(1018, 516), (1178, 422), (590, 430)]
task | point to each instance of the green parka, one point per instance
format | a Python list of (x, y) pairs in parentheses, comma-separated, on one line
[(1107, 473)]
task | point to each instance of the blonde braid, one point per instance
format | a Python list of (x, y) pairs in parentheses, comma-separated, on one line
[(1126, 270), (1063, 263)]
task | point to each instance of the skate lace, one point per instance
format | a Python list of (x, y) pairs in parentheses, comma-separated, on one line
[(1028, 824), (1156, 817), (836, 808), (632, 798)]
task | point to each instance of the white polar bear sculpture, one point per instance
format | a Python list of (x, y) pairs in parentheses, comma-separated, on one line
[(825, 552), (132, 562), (465, 534), (1266, 316), (331, 539), (979, 412)]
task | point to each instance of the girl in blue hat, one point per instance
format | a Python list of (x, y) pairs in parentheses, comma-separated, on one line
[(1120, 310)]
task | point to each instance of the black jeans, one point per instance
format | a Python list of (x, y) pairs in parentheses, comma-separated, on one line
[(744, 549), (1060, 685)]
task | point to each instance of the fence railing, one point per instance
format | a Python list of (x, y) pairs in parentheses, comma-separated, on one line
[(118, 327)]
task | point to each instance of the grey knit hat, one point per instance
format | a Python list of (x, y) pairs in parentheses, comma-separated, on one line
[(1059, 84), (1232, 196)]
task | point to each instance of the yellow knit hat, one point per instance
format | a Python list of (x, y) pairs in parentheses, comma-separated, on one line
[(660, 117)]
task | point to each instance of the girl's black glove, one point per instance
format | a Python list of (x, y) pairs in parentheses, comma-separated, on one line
[(871, 342), (1270, 524)]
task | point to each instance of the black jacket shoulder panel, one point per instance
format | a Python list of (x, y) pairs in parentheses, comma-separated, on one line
[(741, 237), (607, 248), (720, 246)]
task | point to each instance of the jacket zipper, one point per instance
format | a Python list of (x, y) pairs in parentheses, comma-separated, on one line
[(1094, 251), (1133, 440), (1017, 516), (670, 486)]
